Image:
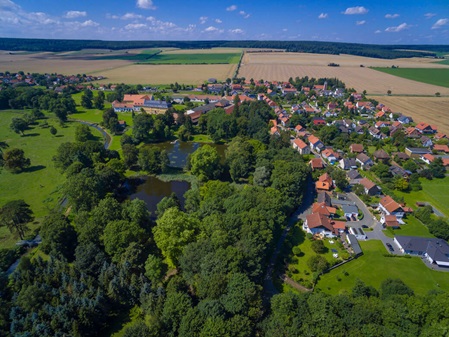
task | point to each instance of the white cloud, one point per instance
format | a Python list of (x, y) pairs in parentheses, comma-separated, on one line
[(231, 8), (440, 23), (398, 29), (134, 26), (244, 14), (378, 31), (236, 31), (211, 29), (355, 10), (131, 16), (322, 16), (145, 4), (203, 19), (160, 25), (74, 14), (391, 16), (89, 23), (218, 21), (429, 15), (285, 30), (360, 23)]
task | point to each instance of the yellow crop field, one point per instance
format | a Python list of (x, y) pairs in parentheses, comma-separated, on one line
[(282, 66), (432, 110), (166, 74)]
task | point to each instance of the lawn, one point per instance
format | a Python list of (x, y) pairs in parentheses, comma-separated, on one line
[(413, 227), (40, 184), (303, 274), (219, 58), (373, 267), (435, 76), (433, 191)]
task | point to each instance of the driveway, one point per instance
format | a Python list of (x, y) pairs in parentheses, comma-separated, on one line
[(378, 234), (368, 219)]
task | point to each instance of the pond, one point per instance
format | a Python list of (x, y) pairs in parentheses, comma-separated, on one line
[(153, 190), (178, 151)]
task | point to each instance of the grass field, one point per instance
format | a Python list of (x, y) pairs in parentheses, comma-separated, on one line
[(40, 184), (433, 76), (372, 268), (304, 274), (126, 56), (434, 191), (413, 227), (166, 58), (445, 62)]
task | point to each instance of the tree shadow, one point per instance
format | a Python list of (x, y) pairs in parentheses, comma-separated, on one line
[(34, 134), (59, 136), (34, 168)]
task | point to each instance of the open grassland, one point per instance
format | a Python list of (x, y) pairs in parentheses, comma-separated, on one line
[(373, 268), (40, 184), (413, 227), (213, 58), (282, 66), (166, 74), (143, 56), (432, 110), (435, 191), (433, 76)]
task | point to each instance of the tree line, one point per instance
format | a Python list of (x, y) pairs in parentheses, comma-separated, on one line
[(368, 50)]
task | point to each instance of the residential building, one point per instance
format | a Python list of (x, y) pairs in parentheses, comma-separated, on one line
[(425, 128), (300, 146), (364, 160), (370, 187), (416, 152), (381, 156), (324, 182), (436, 251), (356, 148), (389, 221), (315, 143), (427, 158), (316, 164), (390, 207), (348, 164)]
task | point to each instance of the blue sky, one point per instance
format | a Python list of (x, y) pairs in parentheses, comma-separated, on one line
[(392, 22)]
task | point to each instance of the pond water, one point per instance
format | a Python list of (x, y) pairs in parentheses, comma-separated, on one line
[(153, 190), (178, 152)]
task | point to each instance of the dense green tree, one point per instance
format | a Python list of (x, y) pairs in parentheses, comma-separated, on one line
[(83, 133), (154, 269), (53, 130), (166, 203), (15, 215), (14, 160), (317, 263), (99, 100), (240, 158), (391, 287), (130, 154), (153, 160), (58, 236), (319, 247), (142, 124), (437, 168), (118, 235), (205, 163), (89, 258), (18, 125), (174, 230)]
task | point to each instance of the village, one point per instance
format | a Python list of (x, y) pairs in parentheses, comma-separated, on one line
[(369, 142)]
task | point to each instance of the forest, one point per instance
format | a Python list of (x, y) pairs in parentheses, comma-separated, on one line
[(367, 50)]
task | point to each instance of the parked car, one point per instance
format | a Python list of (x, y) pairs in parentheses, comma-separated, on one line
[(390, 247)]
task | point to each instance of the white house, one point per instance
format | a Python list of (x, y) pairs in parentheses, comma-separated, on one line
[(390, 207), (434, 250)]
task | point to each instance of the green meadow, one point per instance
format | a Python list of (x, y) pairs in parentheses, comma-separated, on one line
[(435, 76), (40, 184), (219, 58), (373, 268)]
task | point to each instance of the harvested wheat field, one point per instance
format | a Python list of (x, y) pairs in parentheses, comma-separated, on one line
[(432, 110), (202, 51), (282, 66), (52, 63), (166, 74)]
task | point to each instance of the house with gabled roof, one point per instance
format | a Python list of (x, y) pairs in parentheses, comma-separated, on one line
[(411, 132), (441, 148), (405, 119), (370, 187), (319, 224), (348, 163), (316, 164), (324, 183), (300, 146), (390, 221), (364, 160), (381, 156), (330, 155), (425, 141), (375, 132), (356, 148), (322, 208), (427, 158), (388, 206), (425, 128), (315, 143)]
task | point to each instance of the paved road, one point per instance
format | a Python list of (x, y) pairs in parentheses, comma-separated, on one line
[(300, 213), (378, 234)]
